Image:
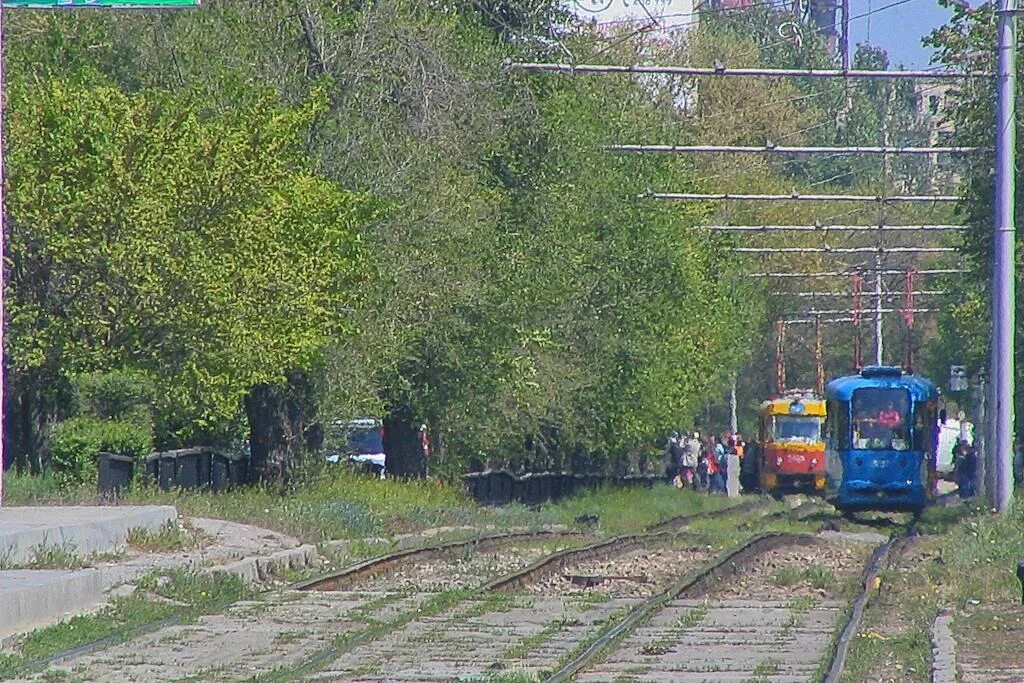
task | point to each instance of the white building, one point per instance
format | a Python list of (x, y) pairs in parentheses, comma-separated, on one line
[(669, 14)]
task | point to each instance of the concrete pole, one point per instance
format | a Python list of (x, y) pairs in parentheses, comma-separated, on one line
[(1003, 286), (3, 278), (878, 307), (733, 422)]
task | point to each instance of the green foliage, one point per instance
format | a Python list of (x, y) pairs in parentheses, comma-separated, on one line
[(967, 42), (115, 395), (75, 443), (171, 537), (187, 246), (503, 284)]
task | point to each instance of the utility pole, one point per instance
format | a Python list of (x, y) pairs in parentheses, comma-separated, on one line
[(1003, 290), (733, 421), (878, 307), (845, 44)]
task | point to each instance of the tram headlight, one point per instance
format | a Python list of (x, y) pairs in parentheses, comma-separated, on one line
[(814, 462), (778, 461)]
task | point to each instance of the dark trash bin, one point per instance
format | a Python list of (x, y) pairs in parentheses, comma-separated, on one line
[(167, 476), (238, 469), (151, 471), (501, 487), (193, 468), (472, 483), (115, 473)]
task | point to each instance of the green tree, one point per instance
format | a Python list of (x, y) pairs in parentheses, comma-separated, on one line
[(148, 233)]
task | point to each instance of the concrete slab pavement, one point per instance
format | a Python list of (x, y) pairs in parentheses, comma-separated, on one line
[(30, 598), (86, 530), (35, 597)]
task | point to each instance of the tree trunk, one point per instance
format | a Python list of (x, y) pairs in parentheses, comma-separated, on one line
[(402, 446), (27, 416), (281, 428)]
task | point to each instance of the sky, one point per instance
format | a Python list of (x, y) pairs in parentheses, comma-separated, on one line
[(897, 29), (895, 25)]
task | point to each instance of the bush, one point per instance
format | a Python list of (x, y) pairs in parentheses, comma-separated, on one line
[(74, 444), (114, 395)]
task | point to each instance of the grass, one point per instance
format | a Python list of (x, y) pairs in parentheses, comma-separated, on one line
[(167, 595), (815, 576), (171, 537), (532, 642), (337, 503), (49, 556), (974, 559)]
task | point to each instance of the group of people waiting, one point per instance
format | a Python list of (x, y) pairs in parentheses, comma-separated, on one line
[(701, 464)]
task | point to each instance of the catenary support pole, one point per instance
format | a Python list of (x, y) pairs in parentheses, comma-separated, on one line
[(3, 279), (878, 308), (1003, 289), (733, 422), (845, 44)]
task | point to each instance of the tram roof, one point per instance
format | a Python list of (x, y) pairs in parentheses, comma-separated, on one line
[(885, 377)]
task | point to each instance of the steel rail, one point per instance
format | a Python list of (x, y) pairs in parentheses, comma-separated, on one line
[(781, 149), (649, 607), (849, 632), (352, 641), (739, 71), (366, 568)]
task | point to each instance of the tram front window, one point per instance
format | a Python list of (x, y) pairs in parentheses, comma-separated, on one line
[(881, 419), (797, 429)]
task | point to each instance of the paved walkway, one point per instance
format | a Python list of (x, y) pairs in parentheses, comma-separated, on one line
[(986, 645)]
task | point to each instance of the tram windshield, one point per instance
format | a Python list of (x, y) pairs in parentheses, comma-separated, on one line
[(790, 428), (881, 419)]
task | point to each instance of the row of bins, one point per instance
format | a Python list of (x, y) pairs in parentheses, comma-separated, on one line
[(186, 468), (500, 487)]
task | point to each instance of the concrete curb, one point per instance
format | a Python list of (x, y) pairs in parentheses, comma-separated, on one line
[(30, 598), (943, 649), (86, 530), (260, 569)]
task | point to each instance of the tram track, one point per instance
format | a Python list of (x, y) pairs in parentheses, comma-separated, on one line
[(365, 572), (644, 611), (855, 614)]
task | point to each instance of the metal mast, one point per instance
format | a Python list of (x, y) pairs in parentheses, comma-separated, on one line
[(1003, 322)]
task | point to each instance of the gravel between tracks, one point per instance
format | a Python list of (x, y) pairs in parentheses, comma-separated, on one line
[(467, 569), (769, 617), (650, 571)]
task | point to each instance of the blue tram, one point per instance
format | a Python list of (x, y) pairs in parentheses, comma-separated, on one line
[(881, 435)]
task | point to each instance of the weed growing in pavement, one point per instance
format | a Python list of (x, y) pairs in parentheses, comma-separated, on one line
[(48, 556), (364, 613), (171, 537), (764, 670), (803, 604), (532, 642), (179, 595), (689, 619), (585, 601), (815, 576), (503, 677), (345, 641), (493, 602)]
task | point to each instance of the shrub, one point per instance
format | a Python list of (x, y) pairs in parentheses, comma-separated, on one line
[(74, 444), (114, 395)]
